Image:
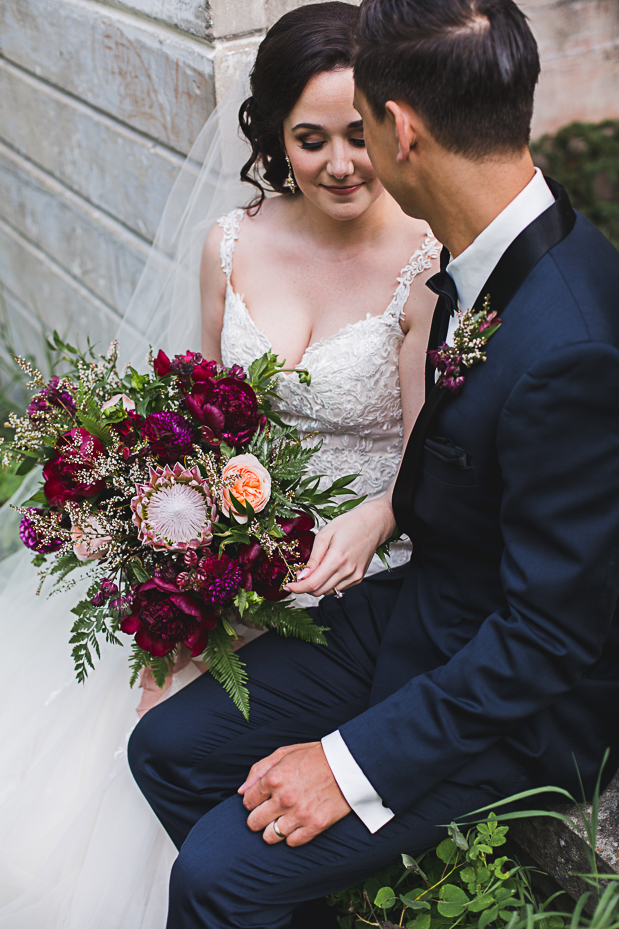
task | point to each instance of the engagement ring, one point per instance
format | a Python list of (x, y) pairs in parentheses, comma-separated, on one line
[(337, 593)]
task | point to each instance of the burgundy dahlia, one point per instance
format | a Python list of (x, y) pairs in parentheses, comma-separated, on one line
[(31, 537), (76, 455), (161, 620), (223, 578), (169, 434), (51, 396), (266, 575)]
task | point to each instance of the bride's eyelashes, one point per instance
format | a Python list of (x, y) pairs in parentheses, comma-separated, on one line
[(316, 146)]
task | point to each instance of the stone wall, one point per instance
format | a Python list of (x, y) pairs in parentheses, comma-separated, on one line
[(100, 101)]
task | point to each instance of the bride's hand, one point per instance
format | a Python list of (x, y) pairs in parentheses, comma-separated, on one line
[(344, 548)]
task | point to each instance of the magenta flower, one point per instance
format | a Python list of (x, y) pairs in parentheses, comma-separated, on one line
[(169, 434), (31, 537), (222, 578), (51, 396)]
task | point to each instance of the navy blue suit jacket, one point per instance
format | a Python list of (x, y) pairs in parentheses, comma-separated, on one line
[(507, 635)]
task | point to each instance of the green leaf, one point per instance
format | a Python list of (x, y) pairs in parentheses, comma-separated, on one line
[(457, 837), (422, 922), (468, 875), (481, 903), (39, 497), (555, 922), (487, 917), (414, 904), (139, 571), (385, 898), (288, 620), (412, 865), (26, 466), (452, 901), (447, 850), (227, 668), (451, 893)]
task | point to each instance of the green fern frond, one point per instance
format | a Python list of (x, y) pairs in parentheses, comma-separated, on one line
[(288, 620), (227, 668)]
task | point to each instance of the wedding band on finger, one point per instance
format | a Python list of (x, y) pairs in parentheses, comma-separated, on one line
[(337, 593), (277, 830)]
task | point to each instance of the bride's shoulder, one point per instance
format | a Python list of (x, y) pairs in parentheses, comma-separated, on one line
[(420, 237)]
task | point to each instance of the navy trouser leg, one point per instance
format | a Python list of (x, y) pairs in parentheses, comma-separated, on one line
[(227, 877), (191, 753), (194, 750)]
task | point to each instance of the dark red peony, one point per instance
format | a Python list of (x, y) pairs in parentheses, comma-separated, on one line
[(265, 575), (228, 408), (70, 473), (163, 617), (169, 435)]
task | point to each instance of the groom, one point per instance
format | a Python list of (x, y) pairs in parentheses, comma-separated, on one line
[(491, 660)]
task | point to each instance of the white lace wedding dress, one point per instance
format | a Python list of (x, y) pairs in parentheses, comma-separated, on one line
[(80, 848)]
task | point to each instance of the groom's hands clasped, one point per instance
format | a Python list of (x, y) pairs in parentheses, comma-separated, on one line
[(296, 787)]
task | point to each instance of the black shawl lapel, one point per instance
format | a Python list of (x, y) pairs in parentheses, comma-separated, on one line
[(517, 262)]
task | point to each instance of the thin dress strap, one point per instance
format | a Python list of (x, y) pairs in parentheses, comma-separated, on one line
[(420, 261), (230, 223)]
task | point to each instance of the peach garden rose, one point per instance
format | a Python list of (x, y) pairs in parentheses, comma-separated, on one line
[(248, 481)]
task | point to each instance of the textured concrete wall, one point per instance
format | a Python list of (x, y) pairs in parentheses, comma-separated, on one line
[(98, 106), (99, 102), (579, 47)]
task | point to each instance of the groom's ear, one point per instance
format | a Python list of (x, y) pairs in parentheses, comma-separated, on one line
[(404, 121)]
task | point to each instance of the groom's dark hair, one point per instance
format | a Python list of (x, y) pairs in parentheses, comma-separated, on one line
[(469, 67)]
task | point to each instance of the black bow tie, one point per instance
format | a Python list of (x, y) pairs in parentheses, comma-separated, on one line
[(444, 285)]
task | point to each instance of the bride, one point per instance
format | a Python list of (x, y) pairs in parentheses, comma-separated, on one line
[(329, 276)]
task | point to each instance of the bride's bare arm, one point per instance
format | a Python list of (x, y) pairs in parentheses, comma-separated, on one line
[(344, 548), (212, 295)]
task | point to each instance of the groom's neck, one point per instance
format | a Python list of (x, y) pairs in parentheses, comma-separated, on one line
[(459, 197)]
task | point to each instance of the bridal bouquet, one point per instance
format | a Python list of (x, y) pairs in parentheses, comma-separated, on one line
[(183, 495)]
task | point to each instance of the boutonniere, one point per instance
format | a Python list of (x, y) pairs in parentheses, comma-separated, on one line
[(468, 349)]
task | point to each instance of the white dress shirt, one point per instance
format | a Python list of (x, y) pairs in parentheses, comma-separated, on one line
[(470, 271)]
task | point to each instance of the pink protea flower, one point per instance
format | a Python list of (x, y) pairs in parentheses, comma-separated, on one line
[(175, 510)]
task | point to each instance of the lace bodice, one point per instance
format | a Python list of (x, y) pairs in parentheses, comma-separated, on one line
[(353, 402)]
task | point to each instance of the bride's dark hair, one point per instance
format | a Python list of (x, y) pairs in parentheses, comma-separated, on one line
[(303, 43)]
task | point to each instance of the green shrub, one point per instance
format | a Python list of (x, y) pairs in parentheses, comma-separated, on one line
[(584, 157), (460, 882)]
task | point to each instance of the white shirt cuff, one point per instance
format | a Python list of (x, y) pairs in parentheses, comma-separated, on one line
[(359, 793)]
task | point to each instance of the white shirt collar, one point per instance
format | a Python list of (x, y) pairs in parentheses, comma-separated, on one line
[(472, 268)]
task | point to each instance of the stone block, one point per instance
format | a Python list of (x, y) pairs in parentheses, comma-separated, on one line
[(114, 168), (561, 851), (239, 18), (95, 249), (50, 294), (146, 75), (191, 16)]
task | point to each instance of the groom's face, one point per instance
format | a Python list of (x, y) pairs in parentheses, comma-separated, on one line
[(381, 142)]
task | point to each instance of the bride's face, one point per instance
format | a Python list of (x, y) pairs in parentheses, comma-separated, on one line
[(323, 136)]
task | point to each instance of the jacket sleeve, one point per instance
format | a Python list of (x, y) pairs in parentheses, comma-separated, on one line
[(558, 449)]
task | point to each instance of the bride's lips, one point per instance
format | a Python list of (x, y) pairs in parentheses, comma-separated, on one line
[(343, 191)]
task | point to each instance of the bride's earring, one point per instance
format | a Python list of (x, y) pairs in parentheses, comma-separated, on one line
[(290, 182)]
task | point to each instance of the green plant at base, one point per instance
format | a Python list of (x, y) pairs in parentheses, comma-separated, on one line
[(584, 157), (459, 883)]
